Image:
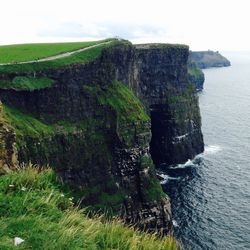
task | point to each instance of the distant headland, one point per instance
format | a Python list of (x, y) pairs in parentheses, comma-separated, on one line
[(208, 59), (201, 60)]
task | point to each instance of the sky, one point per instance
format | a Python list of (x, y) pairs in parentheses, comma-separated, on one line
[(202, 24)]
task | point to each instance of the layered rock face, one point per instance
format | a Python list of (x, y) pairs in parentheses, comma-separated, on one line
[(158, 76), (173, 104), (98, 135)]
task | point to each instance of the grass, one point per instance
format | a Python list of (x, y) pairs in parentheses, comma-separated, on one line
[(185, 96), (28, 52), (25, 124), (81, 57), (153, 190), (117, 96), (130, 113), (130, 118), (121, 99), (194, 71), (36, 207), (26, 83)]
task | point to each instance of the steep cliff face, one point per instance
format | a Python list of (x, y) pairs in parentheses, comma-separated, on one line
[(196, 76), (174, 110), (158, 76), (93, 126)]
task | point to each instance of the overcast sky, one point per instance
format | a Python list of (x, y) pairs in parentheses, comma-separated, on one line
[(202, 24)]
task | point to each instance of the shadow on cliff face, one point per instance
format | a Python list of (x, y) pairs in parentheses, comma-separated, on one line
[(176, 130), (160, 127)]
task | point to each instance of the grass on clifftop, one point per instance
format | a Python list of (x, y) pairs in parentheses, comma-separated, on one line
[(27, 52), (81, 57), (35, 208)]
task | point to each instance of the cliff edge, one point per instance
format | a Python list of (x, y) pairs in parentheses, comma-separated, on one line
[(98, 117)]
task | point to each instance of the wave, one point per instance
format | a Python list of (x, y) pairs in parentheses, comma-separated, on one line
[(188, 163), (195, 162), (166, 178)]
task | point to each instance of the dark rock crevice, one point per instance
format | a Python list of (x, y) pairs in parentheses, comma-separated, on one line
[(160, 128)]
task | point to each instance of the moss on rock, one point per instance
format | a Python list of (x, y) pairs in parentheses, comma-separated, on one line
[(26, 83)]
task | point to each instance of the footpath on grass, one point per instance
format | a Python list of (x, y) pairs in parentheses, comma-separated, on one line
[(63, 55)]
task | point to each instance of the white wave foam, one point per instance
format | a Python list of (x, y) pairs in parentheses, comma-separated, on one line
[(166, 178), (164, 182), (212, 149), (175, 224), (188, 163)]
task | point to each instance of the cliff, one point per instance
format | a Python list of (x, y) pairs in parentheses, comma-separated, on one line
[(196, 76), (98, 120), (207, 59)]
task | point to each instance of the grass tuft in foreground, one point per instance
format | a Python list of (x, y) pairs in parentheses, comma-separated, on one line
[(34, 208)]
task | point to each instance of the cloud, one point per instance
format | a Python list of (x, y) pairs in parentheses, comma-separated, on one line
[(71, 29), (102, 30), (217, 25)]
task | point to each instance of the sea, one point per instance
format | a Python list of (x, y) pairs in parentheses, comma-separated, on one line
[(210, 194)]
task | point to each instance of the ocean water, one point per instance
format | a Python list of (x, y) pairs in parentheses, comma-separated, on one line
[(211, 194)]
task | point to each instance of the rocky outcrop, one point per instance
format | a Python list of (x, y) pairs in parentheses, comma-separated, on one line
[(196, 76), (208, 59), (158, 76), (99, 122), (8, 154)]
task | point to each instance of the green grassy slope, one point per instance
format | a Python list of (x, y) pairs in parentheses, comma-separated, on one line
[(118, 96), (36, 207), (25, 124), (28, 52)]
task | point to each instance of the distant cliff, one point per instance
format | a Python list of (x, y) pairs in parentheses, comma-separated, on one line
[(207, 59), (98, 122)]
